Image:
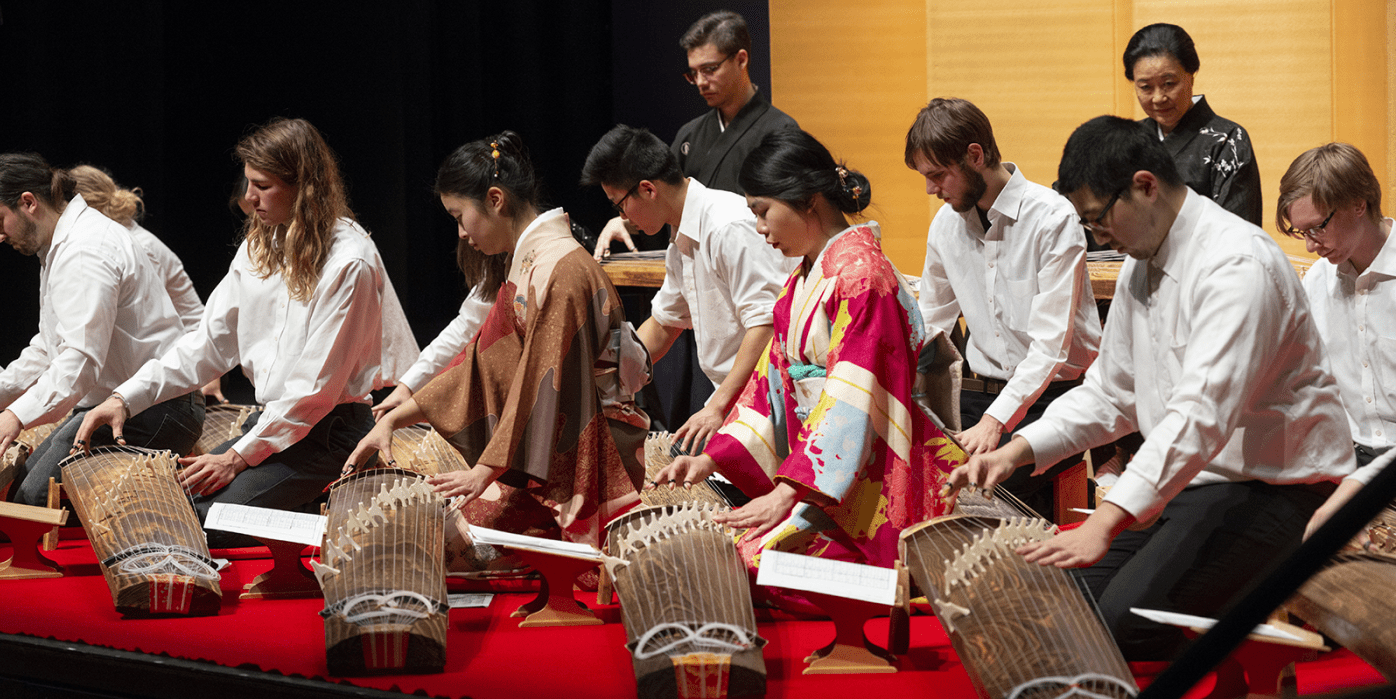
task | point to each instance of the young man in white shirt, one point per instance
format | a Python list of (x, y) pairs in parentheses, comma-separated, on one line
[(720, 277), (1331, 199), (1010, 256), (103, 312), (1211, 353)]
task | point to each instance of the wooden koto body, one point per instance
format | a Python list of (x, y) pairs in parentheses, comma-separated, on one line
[(685, 603), (222, 422), (382, 574), (144, 530), (659, 452), (1022, 630), (1350, 602)]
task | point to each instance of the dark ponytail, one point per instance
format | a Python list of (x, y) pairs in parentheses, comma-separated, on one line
[(29, 172), (792, 166), (498, 161)]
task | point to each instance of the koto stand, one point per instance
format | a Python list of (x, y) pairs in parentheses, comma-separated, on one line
[(288, 577), (1258, 666), (556, 604), (851, 652), (26, 526)]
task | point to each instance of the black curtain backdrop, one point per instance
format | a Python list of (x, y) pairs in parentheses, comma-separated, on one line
[(158, 93)]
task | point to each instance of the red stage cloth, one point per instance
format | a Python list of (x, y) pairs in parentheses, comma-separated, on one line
[(487, 654)]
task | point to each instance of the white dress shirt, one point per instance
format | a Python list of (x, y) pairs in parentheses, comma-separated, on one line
[(302, 357), (171, 270), (103, 312), (720, 276), (1210, 351), (1022, 287), (1356, 315), (447, 345)]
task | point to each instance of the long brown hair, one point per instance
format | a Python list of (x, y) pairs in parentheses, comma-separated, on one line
[(294, 150)]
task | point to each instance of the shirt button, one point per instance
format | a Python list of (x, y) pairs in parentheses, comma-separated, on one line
[(1378, 433), (1369, 399), (1361, 328)]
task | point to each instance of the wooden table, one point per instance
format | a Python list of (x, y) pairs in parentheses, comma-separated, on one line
[(650, 273)]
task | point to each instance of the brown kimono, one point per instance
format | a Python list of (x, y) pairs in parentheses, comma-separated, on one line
[(546, 390)]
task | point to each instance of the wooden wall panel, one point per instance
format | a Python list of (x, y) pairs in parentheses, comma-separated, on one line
[(1295, 73), (854, 77), (1036, 69)]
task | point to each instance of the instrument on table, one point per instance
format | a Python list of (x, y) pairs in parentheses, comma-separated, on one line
[(144, 531), (382, 574), (1021, 629), (660, 450), (685, 603), (222, 422)]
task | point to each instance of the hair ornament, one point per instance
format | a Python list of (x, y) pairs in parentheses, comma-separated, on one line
[(843, 176), (494, 154)]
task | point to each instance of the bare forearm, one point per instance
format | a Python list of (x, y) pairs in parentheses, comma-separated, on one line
[(657, 338)]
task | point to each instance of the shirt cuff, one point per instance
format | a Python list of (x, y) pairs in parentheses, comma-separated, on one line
[(26, 410), (1048, 445), (669, 320), (253, 450), (417, 377), (1136, 496)]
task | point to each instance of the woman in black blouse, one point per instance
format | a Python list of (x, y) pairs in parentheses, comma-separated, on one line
[(1213, 154)]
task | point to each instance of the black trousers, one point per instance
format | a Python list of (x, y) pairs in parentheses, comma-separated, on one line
[(1207, 548)]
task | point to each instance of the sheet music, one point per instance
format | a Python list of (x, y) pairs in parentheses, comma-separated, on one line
[(296, 527), (1202, 622), (466, 600), (838, 578), (494, 537)]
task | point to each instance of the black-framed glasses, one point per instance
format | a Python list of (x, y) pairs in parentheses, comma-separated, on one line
[(709, 70), (620, 203), (1311, 233), (1093, 224)]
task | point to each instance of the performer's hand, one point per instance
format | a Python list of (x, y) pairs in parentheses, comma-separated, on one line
[(695, 433), (380, 440), (616, 229), (1084, 545), (983, 437), (1346, 489), (469, 484), (984, 471), (399, 396), (685, 470), (214, 390), (763, 513), (10, 427), (111, 411), (210, 473)]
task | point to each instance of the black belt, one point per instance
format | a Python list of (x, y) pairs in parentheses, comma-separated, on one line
[(984, 384)]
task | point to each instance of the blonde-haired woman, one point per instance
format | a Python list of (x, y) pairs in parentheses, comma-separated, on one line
[(301, 310)]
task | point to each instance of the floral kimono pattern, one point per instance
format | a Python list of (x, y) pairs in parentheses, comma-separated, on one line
[(545, 390), (830, 408)]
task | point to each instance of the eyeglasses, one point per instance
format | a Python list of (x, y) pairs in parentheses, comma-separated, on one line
[(1311, 233), (709, 70), (1093, 224), (620, 203)]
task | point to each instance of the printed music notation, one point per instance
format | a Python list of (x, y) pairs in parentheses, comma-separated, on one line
[(296, 527), (567, 549), (838, 578)]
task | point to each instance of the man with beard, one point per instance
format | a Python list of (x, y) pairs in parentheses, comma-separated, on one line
[(103, 312), (1010, 255)]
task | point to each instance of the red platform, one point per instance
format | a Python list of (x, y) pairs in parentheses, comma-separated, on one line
[(488, 655)]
